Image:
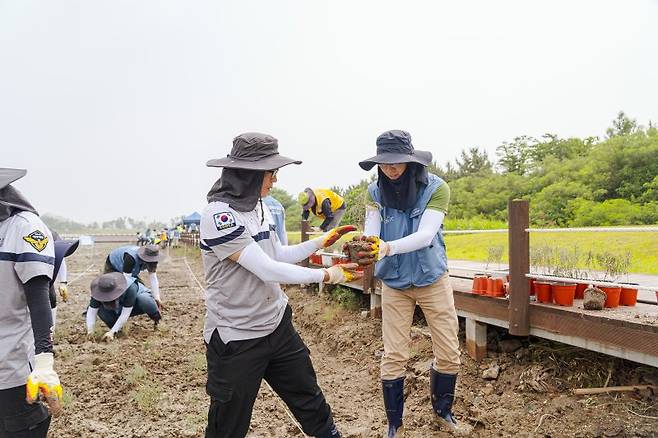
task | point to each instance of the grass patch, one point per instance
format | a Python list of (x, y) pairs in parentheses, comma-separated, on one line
[(346, 297), (642, 246), (136, 375), (147, 396)]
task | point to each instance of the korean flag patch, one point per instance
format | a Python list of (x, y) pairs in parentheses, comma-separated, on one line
[(224, 221)]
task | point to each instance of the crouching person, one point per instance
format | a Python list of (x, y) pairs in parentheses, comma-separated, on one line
[(115, 297)]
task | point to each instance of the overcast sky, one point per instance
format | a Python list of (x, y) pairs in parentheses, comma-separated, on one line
[(115, 106)]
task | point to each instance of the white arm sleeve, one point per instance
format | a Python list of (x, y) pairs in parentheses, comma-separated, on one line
[(91, 319), (155, 285), (373, 222), (63, 273), (254, 259), (296, 253), (125, 314), (430, 224)]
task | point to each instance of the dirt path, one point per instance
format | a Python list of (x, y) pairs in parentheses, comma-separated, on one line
[(151, 383)]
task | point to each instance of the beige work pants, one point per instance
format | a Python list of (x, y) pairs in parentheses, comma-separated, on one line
[(438, 306)]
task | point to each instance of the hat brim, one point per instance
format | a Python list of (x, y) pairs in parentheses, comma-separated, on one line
[(8, 176), (268, 163), (420, 157), (64, 248), (104, 297), (141, 252)]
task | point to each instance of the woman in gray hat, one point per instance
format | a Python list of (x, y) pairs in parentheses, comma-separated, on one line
[(132, 260), (404, 222), (248, 328), (115, 297), (27, 256)]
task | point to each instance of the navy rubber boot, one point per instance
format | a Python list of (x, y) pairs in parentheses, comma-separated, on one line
[(442, 387), (332, 432), (394, 403)]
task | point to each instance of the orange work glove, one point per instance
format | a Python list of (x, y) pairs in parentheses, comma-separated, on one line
[(335, 234)]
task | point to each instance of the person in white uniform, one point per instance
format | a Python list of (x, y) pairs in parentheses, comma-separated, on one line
[(27, 258)]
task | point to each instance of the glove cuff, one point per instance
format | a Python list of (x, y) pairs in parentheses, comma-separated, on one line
[(44, 361)]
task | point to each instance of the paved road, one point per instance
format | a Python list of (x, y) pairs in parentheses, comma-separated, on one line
[(643, 279)]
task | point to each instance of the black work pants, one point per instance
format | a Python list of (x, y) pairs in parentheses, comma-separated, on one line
[(235, 371), (18, 418)]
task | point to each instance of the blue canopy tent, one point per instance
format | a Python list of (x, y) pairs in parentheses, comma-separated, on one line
[(194, 218)]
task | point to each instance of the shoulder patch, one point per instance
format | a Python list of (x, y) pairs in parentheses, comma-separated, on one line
[(224, 220), (37, 239)]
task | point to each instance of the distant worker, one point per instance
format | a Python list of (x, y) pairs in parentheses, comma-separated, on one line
[(279, 216), (325, 204), (26, 347), (115, 297), (132, 260), (175, 237), (63, 248), (142, 239)]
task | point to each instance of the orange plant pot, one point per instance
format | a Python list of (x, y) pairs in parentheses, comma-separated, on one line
[(531, 282), (612, 295), (563, 293), (628, 296), (479, 284), (497, 289), (580, 291), (543, 292), (490, 283)]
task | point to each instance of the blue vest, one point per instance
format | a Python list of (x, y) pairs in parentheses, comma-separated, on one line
[(418, 268), (116, 259), (279, 216)]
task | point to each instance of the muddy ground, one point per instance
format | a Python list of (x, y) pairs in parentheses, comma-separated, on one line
[(151, 383)]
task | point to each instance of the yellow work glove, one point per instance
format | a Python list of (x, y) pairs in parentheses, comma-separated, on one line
[(43, 383), (63, 291), (335, 234), (342, 273), (108, 337), (380, 248)]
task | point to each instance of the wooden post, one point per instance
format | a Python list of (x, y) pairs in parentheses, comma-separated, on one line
[(519, 266), (306, 228), (369, 279), (476, 339)]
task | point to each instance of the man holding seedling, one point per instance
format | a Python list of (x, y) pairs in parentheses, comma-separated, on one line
[(403, 225), (325, 204), (27, 257), (248, 329)]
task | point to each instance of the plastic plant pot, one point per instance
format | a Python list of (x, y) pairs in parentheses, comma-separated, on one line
[(480, 284), (543, 291), (580, 291), (628, 296), (497, 289), (531, 283), (490, 286), (612, 295), (564, 293)]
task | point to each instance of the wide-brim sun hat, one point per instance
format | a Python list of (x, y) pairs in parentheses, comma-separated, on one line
[(8, 175), (64, 248), (253, 151), (395, 147), (108, 287), (150, 253)]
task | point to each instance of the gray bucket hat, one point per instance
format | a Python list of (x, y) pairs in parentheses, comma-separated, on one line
[(395, 147), (8, 176), (254, 151), (150, 253), (108, 287)]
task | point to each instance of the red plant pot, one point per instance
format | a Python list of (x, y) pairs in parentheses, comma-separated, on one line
[(531, 282), (563, 293), (315, 259), (497, 289), (628, 296), (580, 291), (543, 292), (612, 295)]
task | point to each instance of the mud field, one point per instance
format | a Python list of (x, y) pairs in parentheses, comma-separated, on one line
[(151, 383)]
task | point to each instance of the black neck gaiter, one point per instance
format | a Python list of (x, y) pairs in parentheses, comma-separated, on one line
[(12, 201), (239, 188), (402, 193)]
